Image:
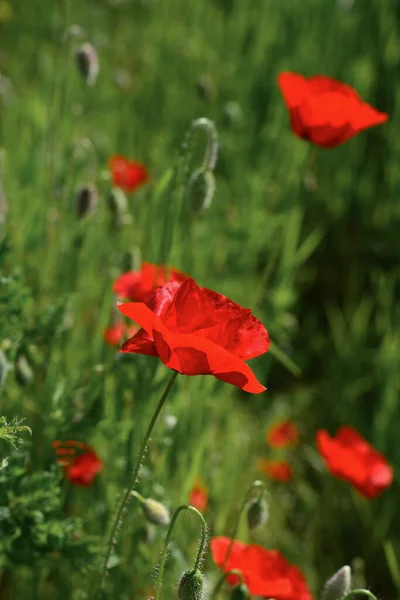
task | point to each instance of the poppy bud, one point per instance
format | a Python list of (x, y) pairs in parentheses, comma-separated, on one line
[(240, 592), (338, 586), (192, 586), (118, 205), (155, 512), (233, 113), (206, 88), (87, 62), (86, 200), (257, 513), (23, 371), (201, 188)]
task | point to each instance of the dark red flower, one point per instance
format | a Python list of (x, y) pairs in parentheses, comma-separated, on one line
[(199, 496), (127, 174), (81, 463), (350, 457), (266, 573), (282, 434), (139, 285), (196, 331), (325, 111), (277, 470)]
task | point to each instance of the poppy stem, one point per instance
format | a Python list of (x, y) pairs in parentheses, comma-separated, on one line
[(353, 593), (164, 551), (260, 487), (222, 579), (134, 480)]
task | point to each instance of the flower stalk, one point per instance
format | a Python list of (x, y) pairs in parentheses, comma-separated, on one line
[(134, 480), (200, 551), (221, 580)]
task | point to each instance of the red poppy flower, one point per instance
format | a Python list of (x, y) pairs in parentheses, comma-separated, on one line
[(114, 334), (81, 463), (127, 174), (138, 285), (266, 573), (196, 331), (199, 496), (277, 470), (350, 457), (325, 111), (282, 434)]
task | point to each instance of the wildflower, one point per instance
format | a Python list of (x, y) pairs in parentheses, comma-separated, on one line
[(156, 512), (282, 434), (277, 470), (325, 111), (196, 331), (199, 496), (265, 572), (139, 285), (80, 461), (350, 457), (127, 174), (87, 62), (114, 334)]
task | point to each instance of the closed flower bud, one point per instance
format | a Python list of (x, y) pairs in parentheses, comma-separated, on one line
[(240, 592), (338, 586), (206, 88), (233, 113), (87, 62), (118, 205), (192, 586), (257, 513), (201, 190), (156, 512), (86, 200), (23, 371)]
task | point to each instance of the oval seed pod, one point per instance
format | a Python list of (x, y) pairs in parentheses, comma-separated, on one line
[(338, 586), (87, 62), (201, 188), (155, 512), (118, 205), (257, 513), (192, 586), (240, 592), (86, 200)]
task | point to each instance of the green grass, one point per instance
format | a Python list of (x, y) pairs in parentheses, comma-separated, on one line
[(319, 268)]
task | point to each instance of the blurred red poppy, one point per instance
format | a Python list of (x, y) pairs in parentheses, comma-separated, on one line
[(114, 334), (266, 573), (199, 496), (196, 331), (138, 285), (325, 111), (350, 457), (127, 174), (282, 434), (81, 463), (277, 470)]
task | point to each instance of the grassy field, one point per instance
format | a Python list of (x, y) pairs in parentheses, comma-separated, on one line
[(305, 236)]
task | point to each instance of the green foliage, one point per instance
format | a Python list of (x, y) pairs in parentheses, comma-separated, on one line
[(10, 432)]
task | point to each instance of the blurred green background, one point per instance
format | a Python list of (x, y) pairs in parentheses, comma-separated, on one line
[(308, 238)]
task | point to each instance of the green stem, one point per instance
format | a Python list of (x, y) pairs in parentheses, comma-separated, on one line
[(164, 551), (257, 485), (222, 579), (134, 480), (359, 593)]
